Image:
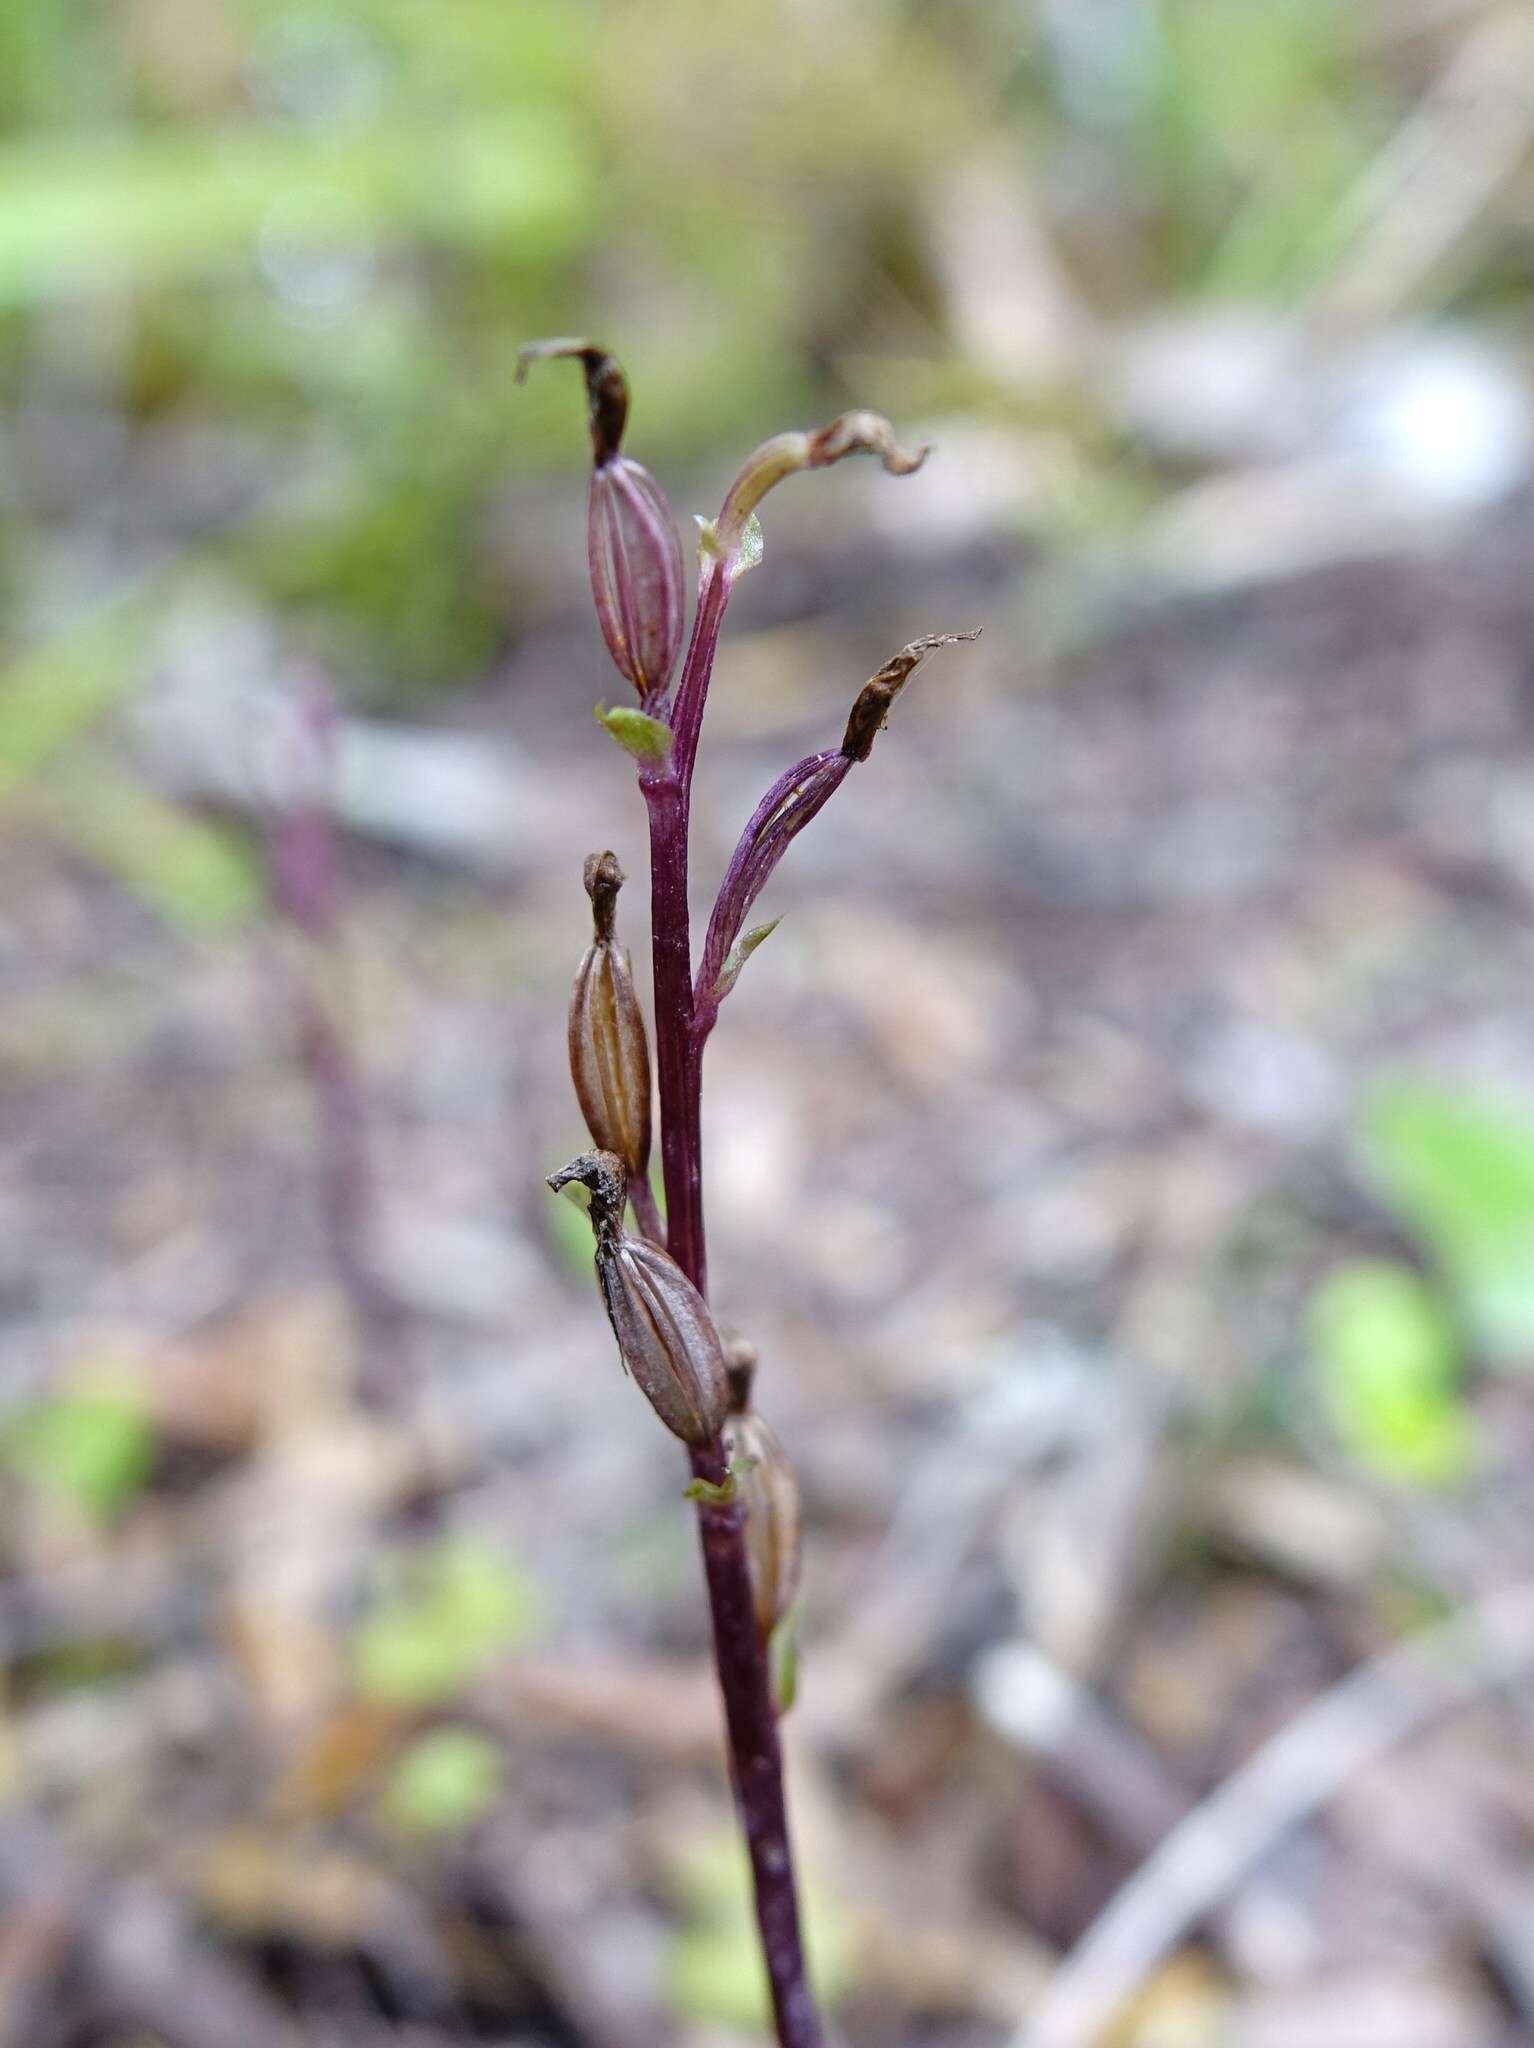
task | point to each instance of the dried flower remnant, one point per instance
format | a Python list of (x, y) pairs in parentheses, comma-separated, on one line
[(666, 1335), (785, 455), (793, 800), (633, 548), (866, 720), (732, 543)]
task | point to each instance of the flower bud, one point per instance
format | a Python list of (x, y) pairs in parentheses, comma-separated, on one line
[(769, 1493), (666, 1335), (609, 1052)]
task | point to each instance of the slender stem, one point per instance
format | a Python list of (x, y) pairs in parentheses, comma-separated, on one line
[(345, 1189), (756, 1766), (676, 1056)]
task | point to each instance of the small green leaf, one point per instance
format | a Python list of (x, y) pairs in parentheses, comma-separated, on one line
[(1390, 1364), (445, 1781), (1458, 1169), (459, 1607), (646, 738), (749, 553), (722, 1496), (737, 957), (94, 1447)]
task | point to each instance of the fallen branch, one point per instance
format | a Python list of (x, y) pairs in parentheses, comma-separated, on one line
[(1283, 1783)]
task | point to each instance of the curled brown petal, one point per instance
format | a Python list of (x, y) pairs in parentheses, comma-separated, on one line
[(607, 389), (863, 433), (851, 433)]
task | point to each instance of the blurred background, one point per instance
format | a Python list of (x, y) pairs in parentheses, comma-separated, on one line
[(1123, 1155)]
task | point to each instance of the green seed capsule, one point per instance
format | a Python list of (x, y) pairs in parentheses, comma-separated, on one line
[(769, 1493), (609, 1052)]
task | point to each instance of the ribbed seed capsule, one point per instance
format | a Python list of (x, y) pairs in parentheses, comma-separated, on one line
[(666, 1335), (632, 545), (768, 1491), (637, 581), (609, 1052)]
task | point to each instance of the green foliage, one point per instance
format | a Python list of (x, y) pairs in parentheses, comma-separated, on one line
[(200, 876), (716, 1960), (171, 205), (454, 1611), (77, 1667), (94, 1447), (1458, 1170), (315, 233), (1253, 128), (52, 694), (445, 1781), (1390, 1363)]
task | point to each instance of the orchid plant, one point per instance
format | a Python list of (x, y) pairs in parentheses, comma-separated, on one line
[(653, 1279)]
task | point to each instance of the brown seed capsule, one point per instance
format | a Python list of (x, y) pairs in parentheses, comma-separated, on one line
[(666, 1335), (769, 1493), (609, 1052)]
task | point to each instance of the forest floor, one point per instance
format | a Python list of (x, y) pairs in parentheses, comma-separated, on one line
[(1029, 1138)]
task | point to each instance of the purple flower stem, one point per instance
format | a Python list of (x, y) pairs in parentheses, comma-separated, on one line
[(756, 1766), (676, 1059)]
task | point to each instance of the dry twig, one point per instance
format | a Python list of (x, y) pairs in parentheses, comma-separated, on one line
[(1376, 1706)]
